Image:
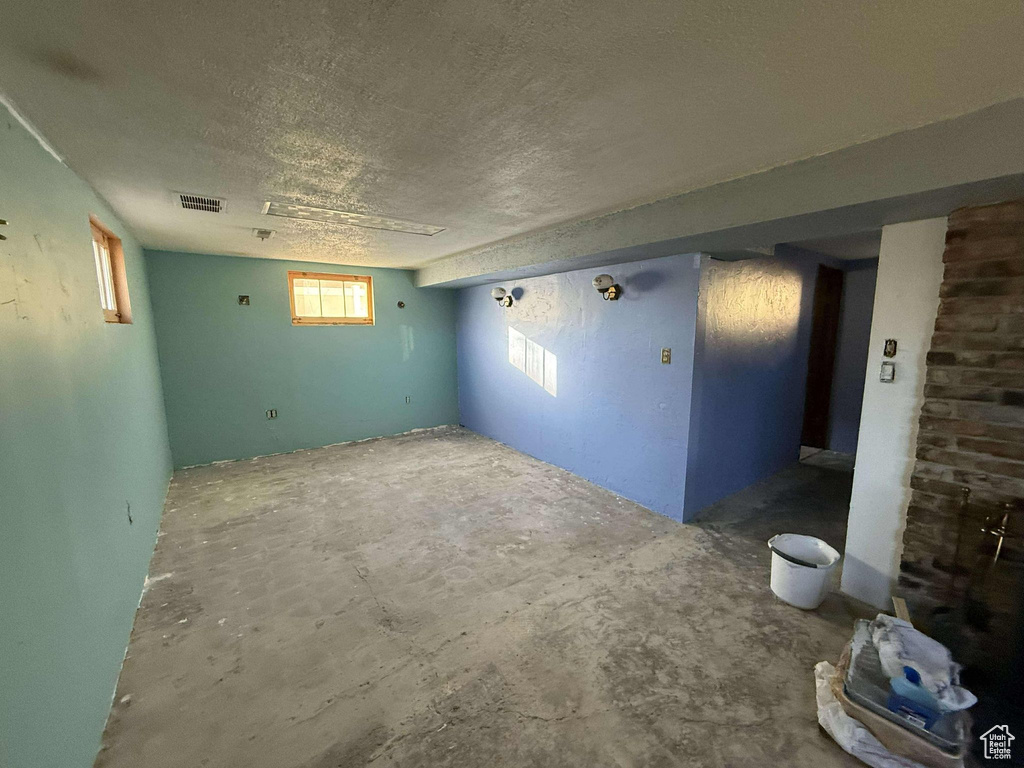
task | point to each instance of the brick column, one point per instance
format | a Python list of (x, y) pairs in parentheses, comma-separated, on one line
[(972, 421)]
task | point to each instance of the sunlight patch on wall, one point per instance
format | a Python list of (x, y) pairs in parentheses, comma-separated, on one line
[(747, 301), (551, 373), (516, 349), (531, 358)]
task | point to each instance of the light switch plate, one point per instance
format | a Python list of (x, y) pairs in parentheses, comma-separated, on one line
[(888, 373), (666, 355)]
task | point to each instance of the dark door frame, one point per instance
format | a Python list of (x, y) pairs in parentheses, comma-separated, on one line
[(821, 363)]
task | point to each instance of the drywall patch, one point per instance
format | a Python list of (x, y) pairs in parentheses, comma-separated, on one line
[(151, 580)]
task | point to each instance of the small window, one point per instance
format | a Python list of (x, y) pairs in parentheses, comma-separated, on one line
[(113, 284), (324, 299)]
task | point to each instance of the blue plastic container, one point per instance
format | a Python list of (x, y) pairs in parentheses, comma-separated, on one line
[(909, 699)]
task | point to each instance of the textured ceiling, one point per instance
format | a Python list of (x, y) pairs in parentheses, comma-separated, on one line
[(488, 119)]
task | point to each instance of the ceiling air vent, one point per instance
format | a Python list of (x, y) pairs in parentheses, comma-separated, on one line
[(201, 203)]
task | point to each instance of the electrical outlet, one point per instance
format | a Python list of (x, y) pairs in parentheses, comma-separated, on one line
[(243, 300), (408, 399), (272, 413), (666, 355)]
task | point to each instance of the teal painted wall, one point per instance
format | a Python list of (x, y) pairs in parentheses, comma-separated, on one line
[(82, 433), (224, 365)]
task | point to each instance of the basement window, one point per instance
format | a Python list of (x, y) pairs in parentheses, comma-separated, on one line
[(320, 298), (110, 274)]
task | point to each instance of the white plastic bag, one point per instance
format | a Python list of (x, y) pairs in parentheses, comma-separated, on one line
[(847, 732), (900, 645)]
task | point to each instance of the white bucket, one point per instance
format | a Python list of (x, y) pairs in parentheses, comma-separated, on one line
[(801, 569)]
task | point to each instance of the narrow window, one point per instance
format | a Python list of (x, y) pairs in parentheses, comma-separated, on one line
[(319, 298), (110, 275)]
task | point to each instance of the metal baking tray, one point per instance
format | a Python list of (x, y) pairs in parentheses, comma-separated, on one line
[(867, 685)]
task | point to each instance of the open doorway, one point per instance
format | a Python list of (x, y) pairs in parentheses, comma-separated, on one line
[(821, 361), (837, 358), (808, 490)]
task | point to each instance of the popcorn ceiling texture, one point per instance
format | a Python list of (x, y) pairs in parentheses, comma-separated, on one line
[(492, 120)]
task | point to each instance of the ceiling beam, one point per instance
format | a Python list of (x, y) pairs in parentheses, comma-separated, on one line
[(919, 173)]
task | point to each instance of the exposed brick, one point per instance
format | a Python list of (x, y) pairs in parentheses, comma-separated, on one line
[(1010, 211), (958, 233), (935, 440), (955, 460), (941, 358), (978, 359), (938, 408), (995, 414), (960, 270), (937, 487), (996, 342), (969, 323), (999, 448), (1011, 323), (935, 375), (1007, 247), (997, 489), (972, 428), (986, 305), (1005, 379), (1012, 397), (975, 394)]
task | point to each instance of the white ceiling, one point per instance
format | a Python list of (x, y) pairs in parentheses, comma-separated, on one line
[(863, 245), (489, 119)]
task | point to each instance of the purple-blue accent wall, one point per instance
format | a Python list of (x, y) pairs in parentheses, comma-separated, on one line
[(753, 338), (621, 417), (726, 413)]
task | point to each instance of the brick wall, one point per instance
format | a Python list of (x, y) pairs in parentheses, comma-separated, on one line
[(972, 426)]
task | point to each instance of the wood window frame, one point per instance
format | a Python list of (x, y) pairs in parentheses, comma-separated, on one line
[(122, 311), (296, 320)]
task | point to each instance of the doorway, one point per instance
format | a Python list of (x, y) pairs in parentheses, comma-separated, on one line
[(821, 363)]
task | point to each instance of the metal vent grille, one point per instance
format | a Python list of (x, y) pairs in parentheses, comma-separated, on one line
[(200, 203)]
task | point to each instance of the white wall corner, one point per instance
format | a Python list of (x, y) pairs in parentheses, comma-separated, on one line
[(906, 303)]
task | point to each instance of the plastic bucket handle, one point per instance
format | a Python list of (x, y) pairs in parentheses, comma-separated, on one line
[(789, 557)]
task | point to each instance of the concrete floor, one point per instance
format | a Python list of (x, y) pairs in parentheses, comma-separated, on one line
[(438, 599), (811, 496)]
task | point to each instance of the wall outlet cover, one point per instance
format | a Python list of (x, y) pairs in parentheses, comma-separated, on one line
[(888, 373)]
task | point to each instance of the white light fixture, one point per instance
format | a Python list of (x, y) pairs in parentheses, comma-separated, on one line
[(501, 296), (348, 218), (607, 287)]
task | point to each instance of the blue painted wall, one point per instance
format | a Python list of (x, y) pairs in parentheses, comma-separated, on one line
[(851, 354), (621, 417), (224, 365), (753, 339), (82, 435)]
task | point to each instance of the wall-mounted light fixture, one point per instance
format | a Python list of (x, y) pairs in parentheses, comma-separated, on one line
[(607, 287), (500, 296)]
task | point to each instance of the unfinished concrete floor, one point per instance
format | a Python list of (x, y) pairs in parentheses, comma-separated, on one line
[(438, 599)]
